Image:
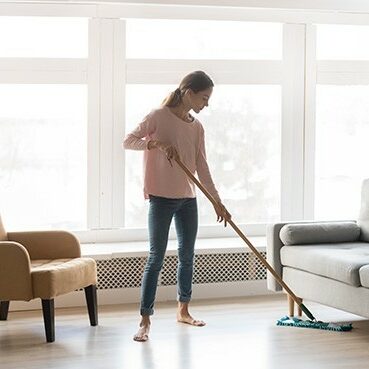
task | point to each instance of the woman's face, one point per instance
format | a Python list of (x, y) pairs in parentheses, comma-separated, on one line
[(199, 100)]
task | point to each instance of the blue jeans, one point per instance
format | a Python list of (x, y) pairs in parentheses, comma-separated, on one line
[(161, 213)]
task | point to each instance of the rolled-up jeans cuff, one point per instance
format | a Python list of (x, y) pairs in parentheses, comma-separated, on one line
[(145, 311), (183, 299)]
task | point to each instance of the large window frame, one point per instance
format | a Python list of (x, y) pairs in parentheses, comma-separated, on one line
[(107, 70), (107, 60)]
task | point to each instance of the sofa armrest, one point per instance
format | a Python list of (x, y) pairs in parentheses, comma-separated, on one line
[(48, 244), (15, 272), (274, 245)]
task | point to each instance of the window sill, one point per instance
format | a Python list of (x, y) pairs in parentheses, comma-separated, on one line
[(113, 250)]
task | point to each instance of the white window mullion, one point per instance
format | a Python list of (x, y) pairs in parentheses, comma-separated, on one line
[(310, 107), (93, 140), (106, 124), (292, 168), (43, 70), (141, 71), (119, 81), (342, 72)]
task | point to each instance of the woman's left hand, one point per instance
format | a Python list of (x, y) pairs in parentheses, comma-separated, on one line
[(222, 213)]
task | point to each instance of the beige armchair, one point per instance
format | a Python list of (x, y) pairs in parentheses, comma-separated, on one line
[(44, 264)]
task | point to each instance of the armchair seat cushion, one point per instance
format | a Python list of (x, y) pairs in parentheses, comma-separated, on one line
[(341, 261), (51, 278)]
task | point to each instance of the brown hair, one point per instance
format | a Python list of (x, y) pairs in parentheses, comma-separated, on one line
[(195, 81)]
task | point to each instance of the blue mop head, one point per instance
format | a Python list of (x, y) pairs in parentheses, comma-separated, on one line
[(295, 322)]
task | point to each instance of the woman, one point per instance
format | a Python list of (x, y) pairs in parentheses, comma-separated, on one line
[(169, 132)]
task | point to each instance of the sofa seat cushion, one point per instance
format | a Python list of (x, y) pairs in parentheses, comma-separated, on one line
[(52, 278), (341, 261), (364, 276)]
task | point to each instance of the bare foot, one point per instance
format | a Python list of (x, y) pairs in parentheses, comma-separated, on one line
[(187, 318), (143, 333)]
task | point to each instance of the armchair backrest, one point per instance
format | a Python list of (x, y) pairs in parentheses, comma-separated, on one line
[(3, 234), (363, 220)]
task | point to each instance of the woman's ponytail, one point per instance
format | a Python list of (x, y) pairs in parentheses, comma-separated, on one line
[(173, 99), (195, 81)]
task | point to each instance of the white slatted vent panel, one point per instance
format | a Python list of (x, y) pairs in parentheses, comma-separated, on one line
[(209, 268)]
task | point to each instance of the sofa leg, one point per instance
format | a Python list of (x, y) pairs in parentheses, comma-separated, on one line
[(4, 309), (49, 319), (291, 306), (299, 311), (91, 300)]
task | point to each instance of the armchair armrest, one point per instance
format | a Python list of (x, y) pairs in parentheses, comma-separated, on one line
[(48, 244), (15, 272)]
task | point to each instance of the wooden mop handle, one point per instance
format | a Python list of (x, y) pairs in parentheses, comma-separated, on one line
[(239, 232)]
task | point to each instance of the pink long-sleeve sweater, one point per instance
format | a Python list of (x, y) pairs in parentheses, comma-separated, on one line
[(160, 178)]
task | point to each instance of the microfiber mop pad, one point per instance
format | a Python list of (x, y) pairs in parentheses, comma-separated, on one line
[(295, 322)]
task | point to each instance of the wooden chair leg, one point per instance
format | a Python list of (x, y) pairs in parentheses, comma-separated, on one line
[(291, 306), (48, 311), (91, 300), (4, 309)]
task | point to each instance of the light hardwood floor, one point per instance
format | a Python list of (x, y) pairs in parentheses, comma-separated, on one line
[(240, 333)]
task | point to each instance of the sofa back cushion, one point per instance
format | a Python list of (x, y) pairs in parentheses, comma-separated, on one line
[(319, 232), (363, 220)]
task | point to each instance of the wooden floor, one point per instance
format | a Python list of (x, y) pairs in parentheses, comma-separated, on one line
[(240, 333)]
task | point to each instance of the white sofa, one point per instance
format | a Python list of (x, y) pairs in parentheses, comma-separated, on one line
[(326, 262)]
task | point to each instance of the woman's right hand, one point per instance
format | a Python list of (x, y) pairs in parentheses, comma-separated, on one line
[(222, 213)]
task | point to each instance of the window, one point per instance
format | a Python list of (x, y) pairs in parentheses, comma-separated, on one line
[(43, 162), (243, 139), (36, 37), (342, 42), (43, 154), (243, 142), (200, 39), (243, 150), (137, 109), (342, 131)]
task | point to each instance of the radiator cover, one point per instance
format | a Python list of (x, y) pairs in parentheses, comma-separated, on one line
[(126, 272)]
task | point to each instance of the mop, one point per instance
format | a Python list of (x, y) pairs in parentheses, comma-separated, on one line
[(285, 321)]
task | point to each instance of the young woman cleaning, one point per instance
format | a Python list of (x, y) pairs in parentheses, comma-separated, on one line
[(167, 132)]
